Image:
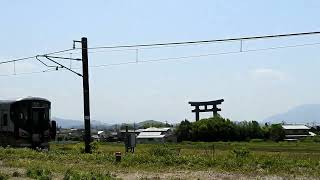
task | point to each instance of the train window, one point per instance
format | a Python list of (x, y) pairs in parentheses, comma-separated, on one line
[(5, 120), (20, 116)]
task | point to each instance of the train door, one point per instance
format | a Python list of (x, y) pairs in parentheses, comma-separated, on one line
[(39, 118)]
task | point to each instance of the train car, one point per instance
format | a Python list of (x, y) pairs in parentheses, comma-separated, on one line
[(26, 122)]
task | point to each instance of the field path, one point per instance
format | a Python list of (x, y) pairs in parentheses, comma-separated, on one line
[(195, 175)]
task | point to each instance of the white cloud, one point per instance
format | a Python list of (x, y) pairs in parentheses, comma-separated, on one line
[(268, 74)]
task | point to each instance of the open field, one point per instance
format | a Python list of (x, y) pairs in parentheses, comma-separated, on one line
[(219, 160)]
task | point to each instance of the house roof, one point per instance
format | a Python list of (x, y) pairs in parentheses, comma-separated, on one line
[(144, 135), (295, 126), (154, 129)]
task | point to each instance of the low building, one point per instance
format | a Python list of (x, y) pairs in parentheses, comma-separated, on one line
[(295, 131), (156, 135)]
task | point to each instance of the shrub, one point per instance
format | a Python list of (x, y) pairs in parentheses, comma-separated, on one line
[(161, 150), (76, 175), (256, 140), (16, 174), (39, 173), (316, 139), (95, 147), (3, 176), (241, 152)]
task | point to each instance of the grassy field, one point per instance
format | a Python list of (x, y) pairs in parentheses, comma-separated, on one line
[(284, 159)]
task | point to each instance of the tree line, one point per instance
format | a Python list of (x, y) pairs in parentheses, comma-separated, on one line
[(220, 129)]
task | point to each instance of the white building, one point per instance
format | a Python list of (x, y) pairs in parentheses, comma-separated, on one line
[(156, 135), (296, 131)]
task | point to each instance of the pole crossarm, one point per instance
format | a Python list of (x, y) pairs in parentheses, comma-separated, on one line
[(61, 65)]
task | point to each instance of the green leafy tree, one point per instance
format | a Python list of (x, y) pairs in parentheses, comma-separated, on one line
[(184, 131), (277, 132), (123, 126)]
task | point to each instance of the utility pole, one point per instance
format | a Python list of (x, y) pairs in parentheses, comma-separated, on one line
[(85, 79), (86, 99)]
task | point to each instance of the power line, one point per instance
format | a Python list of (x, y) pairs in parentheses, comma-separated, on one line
[(204, 55), (27, 73), (171, 44), (16, 60), (208, 41), (172, 58), (32, 57)]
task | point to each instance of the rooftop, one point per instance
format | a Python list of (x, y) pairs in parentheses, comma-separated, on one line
[(154, 129), (295, 126), (150, 135)]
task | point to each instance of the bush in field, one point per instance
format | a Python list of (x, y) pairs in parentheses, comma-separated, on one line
[(80, 147), (241, 152), (95, 147), (256, 140), (39, 173), (3, 176), (76, 175), (16, 174), (316, 139), (161, 150)]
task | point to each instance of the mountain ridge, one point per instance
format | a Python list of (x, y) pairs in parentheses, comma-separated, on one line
[(71, 123), (302, 114)]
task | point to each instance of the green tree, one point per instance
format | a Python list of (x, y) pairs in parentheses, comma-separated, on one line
[(213, 129), (277, 132), (123, 126), (183, 131)]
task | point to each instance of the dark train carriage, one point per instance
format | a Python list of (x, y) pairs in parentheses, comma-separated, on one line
[(26, 122)]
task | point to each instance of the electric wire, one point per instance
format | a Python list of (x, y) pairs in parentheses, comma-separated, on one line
[(173, 43), (170, 44), (207, 41), (174, 58), (33, 57), (204, 55)]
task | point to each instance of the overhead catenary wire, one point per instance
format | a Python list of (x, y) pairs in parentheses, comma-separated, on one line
[(174, 58), (185, 43), (33, 57), (27, 73), (204, 55), (208, 41), (171, 44)]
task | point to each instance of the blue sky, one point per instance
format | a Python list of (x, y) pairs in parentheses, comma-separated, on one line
[(254, 85)]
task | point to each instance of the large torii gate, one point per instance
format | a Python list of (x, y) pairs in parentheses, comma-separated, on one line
[(205, 104)]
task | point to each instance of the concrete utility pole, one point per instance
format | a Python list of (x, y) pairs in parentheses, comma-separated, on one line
[(86, 99)]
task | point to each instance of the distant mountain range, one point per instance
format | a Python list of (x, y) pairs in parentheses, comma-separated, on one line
[(70, 123), (305, 114)]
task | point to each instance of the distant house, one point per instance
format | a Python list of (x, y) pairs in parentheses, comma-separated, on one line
[(295, 132), (98, 135), (156, 135)]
